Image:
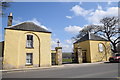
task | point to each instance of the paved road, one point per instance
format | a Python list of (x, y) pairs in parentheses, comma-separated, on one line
[(107, 70)]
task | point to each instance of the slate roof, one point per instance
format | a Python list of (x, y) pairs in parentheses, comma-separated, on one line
[(28, 26), (91, 36)]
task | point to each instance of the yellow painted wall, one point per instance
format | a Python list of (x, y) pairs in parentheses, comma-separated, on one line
[(93, 54), (96, 55), (85, 45), (15, 49)]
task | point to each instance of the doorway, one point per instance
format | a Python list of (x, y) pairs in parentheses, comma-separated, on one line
[(84, 58)]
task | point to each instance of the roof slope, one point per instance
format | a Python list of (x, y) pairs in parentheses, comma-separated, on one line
[(28, 26), (91, 36)]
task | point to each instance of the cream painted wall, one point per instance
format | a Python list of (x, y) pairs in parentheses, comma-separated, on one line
[(96, 55), (93, 54), (15, 49), (85, 45)]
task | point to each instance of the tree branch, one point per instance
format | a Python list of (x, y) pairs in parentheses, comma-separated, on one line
[(116, 39)]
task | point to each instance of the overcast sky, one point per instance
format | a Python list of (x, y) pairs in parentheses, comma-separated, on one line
[(63, 19)]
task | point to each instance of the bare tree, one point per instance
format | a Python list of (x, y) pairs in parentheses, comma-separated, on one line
[(109, 30), (85, 30)]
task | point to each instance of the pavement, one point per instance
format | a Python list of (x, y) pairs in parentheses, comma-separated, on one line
[(54, 66)]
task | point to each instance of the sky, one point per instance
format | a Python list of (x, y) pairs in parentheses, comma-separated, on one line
[(63, 19)]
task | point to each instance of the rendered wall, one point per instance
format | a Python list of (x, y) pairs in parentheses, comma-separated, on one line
[(93, 53), (85, 45), (96, 55), (15, 49)]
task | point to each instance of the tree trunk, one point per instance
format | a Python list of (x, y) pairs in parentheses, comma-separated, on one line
[(114, 48)]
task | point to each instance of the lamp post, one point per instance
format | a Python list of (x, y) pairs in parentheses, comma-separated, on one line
[(58, 42)]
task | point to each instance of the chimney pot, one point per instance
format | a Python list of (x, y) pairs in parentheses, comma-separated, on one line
[(10, 14), (10, 17)]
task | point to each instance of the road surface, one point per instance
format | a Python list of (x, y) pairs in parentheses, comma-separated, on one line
[(105, 70)]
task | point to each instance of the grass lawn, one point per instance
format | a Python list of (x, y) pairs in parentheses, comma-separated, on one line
[(66, 60)]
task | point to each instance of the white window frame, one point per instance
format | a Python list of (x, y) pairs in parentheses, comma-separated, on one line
[(29, 58), (29, 43)]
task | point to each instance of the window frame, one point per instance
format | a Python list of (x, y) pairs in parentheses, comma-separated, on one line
[(30, 60), (28, 43)]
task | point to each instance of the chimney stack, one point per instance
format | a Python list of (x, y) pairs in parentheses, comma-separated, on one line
[(10, 17)]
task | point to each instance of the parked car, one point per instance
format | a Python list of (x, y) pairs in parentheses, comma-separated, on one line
[(115, 58)]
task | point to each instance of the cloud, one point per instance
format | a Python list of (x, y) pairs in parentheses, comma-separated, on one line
[(94, 16), (67, 48), (98, 14), (79, 11), (99, 7), (69, 17), (73, 29), (68, 45), (68, 41), (109, 2)]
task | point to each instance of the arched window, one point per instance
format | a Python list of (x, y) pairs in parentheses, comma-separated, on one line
[(100, 47)]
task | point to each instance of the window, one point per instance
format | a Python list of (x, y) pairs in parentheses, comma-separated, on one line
[(29, 43), (100, 47), (29, 59)]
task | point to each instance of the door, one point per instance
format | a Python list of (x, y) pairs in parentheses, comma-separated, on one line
[(84, 57)]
